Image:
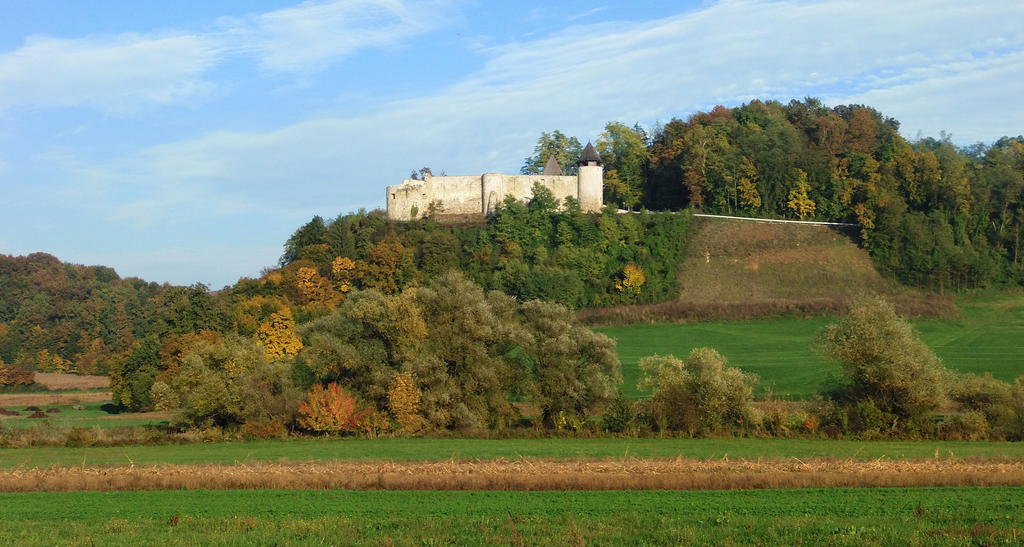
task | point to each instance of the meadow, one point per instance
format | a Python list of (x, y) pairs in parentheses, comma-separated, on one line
[(92, 414), (987, 337), (231, 517)]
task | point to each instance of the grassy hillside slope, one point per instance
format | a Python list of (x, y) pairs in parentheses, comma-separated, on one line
[(740, 269)]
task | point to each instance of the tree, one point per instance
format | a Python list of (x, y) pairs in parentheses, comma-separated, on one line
[(278, 336), (624, 153), (885, 367), (312, 233), (566, 150), (573, 370), (404, 402), (799, 202)]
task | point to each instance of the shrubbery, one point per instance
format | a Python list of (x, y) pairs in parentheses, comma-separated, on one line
[(698, 395)]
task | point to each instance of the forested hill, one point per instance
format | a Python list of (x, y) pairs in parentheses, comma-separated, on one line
[(67, 317), (933, 214)]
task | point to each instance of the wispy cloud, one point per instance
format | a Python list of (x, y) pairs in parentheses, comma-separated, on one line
[(117, 73), (124, 72), (313, 35)]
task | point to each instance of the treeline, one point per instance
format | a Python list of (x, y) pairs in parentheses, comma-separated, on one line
[(932, 214), (71, 318)]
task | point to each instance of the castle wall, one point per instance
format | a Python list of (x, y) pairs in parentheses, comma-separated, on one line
[(476, 194)]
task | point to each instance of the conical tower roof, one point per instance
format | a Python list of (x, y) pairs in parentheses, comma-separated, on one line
[(552, 167), (590, 155)]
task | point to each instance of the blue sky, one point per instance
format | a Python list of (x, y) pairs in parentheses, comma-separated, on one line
[(185, 144)]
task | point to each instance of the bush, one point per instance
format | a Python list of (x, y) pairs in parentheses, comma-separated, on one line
[(964, 426), (698, 395), (620, 416), (331, 410), (891, 380)]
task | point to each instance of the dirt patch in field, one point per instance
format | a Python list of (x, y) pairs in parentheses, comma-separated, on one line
[(54, 380), (526, 474), (45, 399)]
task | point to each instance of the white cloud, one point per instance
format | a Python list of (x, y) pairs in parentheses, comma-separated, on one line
[(313, 35), (119, 73)]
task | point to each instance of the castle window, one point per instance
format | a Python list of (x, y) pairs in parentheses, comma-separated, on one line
[(392, 196)]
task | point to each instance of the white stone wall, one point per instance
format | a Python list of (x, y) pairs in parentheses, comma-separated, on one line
[(480, 194)]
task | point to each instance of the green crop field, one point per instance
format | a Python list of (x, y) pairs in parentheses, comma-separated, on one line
[(988, 337), (838, 516), (469, 449)]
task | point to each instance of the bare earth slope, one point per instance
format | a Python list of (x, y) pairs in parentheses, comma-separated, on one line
[(738, 269)]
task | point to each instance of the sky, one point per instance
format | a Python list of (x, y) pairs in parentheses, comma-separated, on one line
[(184, 142)]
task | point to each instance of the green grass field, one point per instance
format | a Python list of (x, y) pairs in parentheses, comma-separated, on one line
[(470, 449), (988, 337), (837, 517), (93, 415)]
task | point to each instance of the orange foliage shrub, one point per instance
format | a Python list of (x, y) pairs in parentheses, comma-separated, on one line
[(331, 409)]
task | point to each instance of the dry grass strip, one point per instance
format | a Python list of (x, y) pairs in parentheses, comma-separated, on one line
[(46, 399), (56, 380), (525, 474)]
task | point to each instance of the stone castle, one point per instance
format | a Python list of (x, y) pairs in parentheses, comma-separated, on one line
[(480, 194)]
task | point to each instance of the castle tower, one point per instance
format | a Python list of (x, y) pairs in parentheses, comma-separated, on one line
[(590, 180)]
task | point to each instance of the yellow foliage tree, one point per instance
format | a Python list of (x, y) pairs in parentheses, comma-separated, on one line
[(799, 200), (404, 401), (749, 197), (46, 361), (314, 288), (277, 336), (632, 279), (343, 269)]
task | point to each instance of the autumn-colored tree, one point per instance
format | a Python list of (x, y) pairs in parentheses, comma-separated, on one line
[(174, 348), (50, 362), (748, 198), (343, 269), (278, 336), (631, 279), (13, 375), (388, 266), (92, 357), (799, 201), (404, 402), (331, 410), (315, 289)]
